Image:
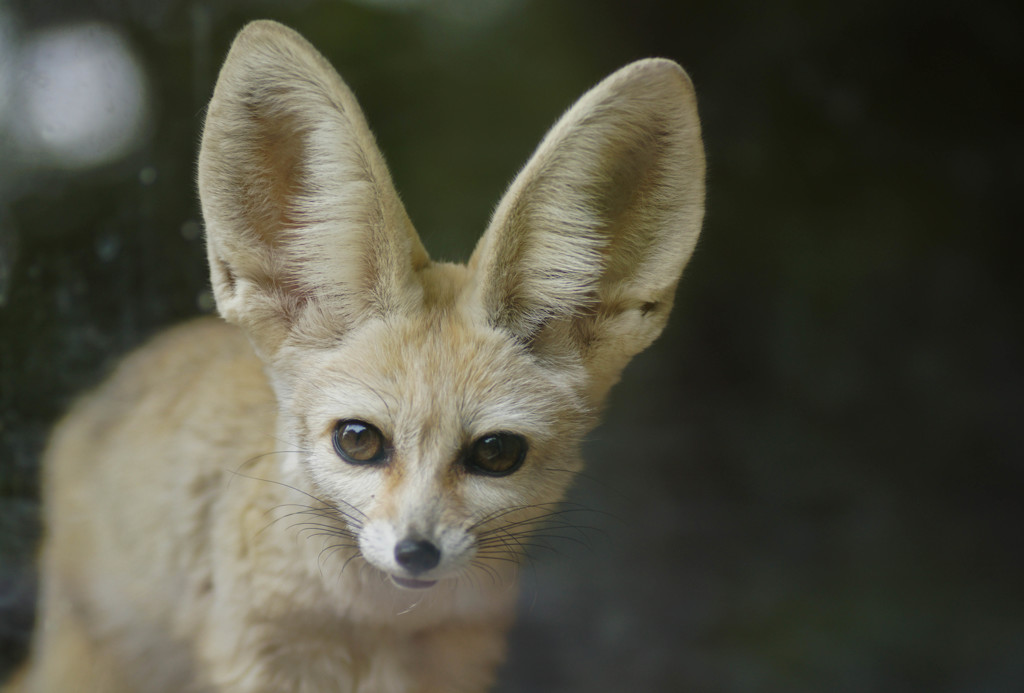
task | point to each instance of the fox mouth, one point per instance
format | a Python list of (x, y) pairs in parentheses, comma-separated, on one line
[(412, 584)]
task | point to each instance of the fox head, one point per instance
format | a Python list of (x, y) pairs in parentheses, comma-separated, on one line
[(438, 409)]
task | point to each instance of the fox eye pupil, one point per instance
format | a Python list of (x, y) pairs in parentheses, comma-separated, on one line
[(358, 442), (496, 454), (490, 448)]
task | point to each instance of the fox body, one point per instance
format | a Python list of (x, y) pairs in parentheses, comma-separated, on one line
[(330, 488)]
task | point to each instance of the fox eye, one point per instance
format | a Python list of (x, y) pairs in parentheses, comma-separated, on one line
[(358, 442), (496, 454)]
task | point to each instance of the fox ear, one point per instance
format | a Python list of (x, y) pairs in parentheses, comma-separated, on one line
[(305, 233), (584, 252)]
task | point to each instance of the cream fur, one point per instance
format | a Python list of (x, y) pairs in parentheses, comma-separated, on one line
[(203, 535)]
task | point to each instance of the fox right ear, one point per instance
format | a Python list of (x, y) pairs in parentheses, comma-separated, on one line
[(584, 251), (305, 233)]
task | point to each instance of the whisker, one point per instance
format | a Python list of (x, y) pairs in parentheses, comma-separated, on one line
[(514, 535), (321, 531), (329, 521), (334, 518), (282, 484), (495, 554), (486, 569), (256, 458), (357, 554), (331, 550), (561, 509), (526, 546), (547, 528)]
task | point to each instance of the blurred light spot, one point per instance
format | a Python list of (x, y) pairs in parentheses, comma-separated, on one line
[(83, 96), (468, 14), (191, 230), (393, 4), (107, 247), (7, 53), (205, 301), (8, 255), (147, 176)]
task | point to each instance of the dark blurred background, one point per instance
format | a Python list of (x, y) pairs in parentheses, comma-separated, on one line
[(812, 482)]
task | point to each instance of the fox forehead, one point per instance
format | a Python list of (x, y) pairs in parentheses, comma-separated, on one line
[(439, 376)]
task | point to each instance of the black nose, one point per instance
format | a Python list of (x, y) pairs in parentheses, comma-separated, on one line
[(417, 555)]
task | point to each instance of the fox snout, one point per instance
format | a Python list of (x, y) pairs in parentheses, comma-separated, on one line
[(417, 555), (410, 558)]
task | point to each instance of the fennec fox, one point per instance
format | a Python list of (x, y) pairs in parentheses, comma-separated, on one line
[(330, 490)]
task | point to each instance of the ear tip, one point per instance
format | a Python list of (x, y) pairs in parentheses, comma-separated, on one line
[(658, 71), (656, 64), (263, 33), (260, 28), (267, 50)]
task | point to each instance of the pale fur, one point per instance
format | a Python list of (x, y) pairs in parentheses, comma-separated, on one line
[(176, 558)]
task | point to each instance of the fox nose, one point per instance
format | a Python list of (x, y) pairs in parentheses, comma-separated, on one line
[(417, 555)]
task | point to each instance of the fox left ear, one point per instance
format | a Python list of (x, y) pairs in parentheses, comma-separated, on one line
[(585, 250), (305, 233)]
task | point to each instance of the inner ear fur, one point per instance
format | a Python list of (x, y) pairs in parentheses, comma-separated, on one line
[(305, 233), (586, 248)]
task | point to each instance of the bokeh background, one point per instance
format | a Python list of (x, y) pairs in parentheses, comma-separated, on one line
[(812, 482)]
